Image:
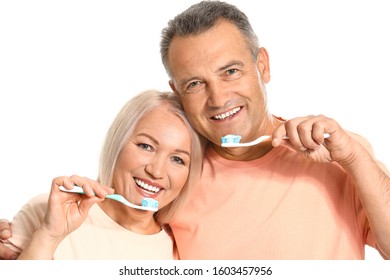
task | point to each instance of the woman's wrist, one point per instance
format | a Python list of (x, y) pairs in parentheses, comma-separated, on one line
[(42, 246), (47, 237)]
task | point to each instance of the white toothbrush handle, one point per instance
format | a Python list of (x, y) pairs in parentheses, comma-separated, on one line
[(326, 135), (257, 141), (76, 189)]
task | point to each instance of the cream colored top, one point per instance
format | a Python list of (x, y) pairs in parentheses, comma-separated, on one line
[(99, 237)]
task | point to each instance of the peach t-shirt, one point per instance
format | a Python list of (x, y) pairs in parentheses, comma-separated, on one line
[(281, 206)]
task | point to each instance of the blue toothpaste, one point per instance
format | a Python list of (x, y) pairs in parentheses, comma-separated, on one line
[(150, 202), (230, 138)]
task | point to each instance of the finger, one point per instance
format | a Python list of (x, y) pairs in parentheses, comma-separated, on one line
[(6, 253), (293, 134), (86, 204), (62, 181), (318, 133), (99, 189), (305, 133), (278, 134), (82, 182), (57, 196), (5, 229)]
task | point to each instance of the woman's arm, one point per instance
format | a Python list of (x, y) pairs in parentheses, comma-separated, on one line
[(65, 213)]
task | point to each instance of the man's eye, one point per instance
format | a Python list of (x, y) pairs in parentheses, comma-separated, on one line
[(231, 71), (178, 160), (194, 86)]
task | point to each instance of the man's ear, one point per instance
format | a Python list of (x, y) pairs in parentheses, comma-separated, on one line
[(172, 85), (263, 65)]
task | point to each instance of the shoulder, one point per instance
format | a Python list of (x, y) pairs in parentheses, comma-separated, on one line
[(33, 211), (26, 221), (37, 205)]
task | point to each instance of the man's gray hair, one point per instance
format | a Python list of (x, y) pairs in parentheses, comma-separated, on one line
[(201, 17)]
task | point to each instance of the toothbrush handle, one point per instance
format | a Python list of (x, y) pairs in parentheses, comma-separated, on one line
[(117, 197), (326, 135), (76, 189), (114, 196)]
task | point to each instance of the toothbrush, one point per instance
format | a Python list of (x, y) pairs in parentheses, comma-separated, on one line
[(233, 141), (148, 204)]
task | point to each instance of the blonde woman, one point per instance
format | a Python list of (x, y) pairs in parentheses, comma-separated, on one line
[(150, 151)]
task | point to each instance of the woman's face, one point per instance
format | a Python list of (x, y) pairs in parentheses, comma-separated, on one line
[(155, 161)]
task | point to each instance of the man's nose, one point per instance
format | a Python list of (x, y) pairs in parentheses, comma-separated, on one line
[(217, 94)]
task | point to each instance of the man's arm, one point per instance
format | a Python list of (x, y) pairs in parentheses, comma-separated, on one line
[(372, 184)]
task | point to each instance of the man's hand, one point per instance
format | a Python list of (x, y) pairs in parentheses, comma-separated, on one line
[(306, 134), (5, 233)]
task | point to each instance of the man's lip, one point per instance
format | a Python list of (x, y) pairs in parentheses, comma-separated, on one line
[(227, 114)]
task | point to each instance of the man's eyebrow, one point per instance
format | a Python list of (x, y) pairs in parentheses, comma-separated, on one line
[(231, 64), (185, 81)]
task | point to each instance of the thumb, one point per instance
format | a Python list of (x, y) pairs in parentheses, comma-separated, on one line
[(86, 204)]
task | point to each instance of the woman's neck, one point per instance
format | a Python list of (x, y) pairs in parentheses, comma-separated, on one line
[(138, 221)]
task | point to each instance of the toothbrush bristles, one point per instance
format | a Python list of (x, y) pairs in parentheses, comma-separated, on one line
[(230, 138), (150, 202)]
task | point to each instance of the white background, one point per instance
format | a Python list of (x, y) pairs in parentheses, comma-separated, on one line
[(67, 67)]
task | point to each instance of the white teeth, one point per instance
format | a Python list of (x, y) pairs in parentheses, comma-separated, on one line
[(227, 114), (147, 186)]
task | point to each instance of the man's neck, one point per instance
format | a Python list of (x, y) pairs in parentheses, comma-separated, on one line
[(244, 153)]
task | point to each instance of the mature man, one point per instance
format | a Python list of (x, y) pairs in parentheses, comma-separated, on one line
[(323, 199)]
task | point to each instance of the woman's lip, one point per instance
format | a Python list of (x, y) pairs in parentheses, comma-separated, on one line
[(144, 191)]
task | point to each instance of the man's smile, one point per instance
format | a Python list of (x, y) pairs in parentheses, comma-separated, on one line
[(226, 115)]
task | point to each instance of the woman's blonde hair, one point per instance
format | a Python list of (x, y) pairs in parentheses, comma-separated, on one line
[(122, 128)]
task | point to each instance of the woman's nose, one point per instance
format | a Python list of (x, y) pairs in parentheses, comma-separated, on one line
[(156, 167)]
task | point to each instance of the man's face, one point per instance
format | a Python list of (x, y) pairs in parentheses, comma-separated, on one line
[(219, 83)]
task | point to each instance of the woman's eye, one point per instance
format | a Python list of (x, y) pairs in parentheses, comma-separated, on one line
[(145, 147), (178, 160)]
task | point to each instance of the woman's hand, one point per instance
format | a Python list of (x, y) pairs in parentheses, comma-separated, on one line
[(67, 211)]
